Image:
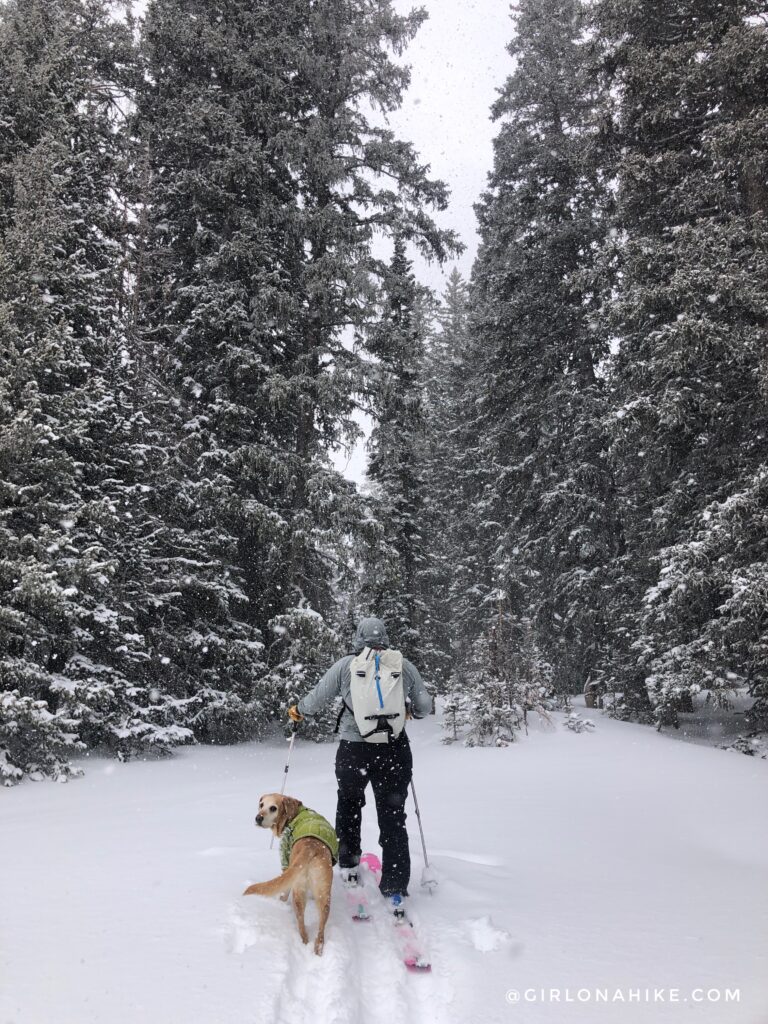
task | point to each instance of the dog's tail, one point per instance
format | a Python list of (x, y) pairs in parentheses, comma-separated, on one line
[(282, 883)]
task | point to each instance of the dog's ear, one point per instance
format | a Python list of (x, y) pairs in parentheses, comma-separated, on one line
[(289, 808)]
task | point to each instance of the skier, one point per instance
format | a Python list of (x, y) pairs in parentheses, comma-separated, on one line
[(378, 753)]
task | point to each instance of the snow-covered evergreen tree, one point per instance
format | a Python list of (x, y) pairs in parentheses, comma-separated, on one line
[(304, 647), (257, 263), (391, 566), (538, 394), (447, 518), (705, 620), (69, 643), (687, 83), (506, 679)]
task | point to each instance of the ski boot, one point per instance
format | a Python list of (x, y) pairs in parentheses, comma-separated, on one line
[(349, 877), (397, 906)]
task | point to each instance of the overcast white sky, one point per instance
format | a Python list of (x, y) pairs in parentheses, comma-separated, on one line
[(458, 62)]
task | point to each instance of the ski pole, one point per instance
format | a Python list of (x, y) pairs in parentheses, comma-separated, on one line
[(294, 727), (427, 875)]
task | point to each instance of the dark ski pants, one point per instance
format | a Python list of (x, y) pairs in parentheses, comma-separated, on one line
[(388, 767)]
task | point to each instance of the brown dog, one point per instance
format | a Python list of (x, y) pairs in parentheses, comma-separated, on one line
[(310, 867)]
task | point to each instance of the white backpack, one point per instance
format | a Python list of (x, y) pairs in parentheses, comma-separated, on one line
[(377, 693)]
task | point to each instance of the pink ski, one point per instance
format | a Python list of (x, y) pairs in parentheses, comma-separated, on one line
[(410, 950)]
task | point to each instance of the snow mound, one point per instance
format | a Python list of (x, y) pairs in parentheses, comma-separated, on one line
[(485, 936)]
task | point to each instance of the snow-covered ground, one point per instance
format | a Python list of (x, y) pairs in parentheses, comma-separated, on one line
[(601, 865), (713, 725)]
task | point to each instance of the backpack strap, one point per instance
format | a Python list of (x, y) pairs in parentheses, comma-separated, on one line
[(382, 724), (345, 707), (381, 720)]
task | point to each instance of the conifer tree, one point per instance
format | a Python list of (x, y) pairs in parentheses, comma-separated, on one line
[(538, 393), (392, 566), (447, 516), (707, 612), (688, 85), (70, 647), (264, 185)]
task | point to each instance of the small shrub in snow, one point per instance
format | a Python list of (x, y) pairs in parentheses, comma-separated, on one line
[(33, 741), (576, 723), (753, 746)]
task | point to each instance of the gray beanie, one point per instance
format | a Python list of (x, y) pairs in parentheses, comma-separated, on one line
[(370, 633)]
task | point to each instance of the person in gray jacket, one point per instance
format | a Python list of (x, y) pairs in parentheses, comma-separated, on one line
[(387, 766)]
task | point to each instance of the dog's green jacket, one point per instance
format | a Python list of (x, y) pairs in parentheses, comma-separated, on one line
[(307, 823)]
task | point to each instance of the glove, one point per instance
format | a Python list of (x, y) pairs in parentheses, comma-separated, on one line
[(294, 715)]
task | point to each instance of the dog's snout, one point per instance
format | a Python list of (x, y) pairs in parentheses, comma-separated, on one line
[(259, 819)]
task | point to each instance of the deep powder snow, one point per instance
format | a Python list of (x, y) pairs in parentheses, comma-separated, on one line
[(609, 862)]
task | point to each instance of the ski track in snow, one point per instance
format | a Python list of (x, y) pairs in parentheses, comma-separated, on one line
[(312, 986), (359, 978)]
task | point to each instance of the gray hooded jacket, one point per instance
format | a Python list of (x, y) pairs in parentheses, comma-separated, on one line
[(337, 681)]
